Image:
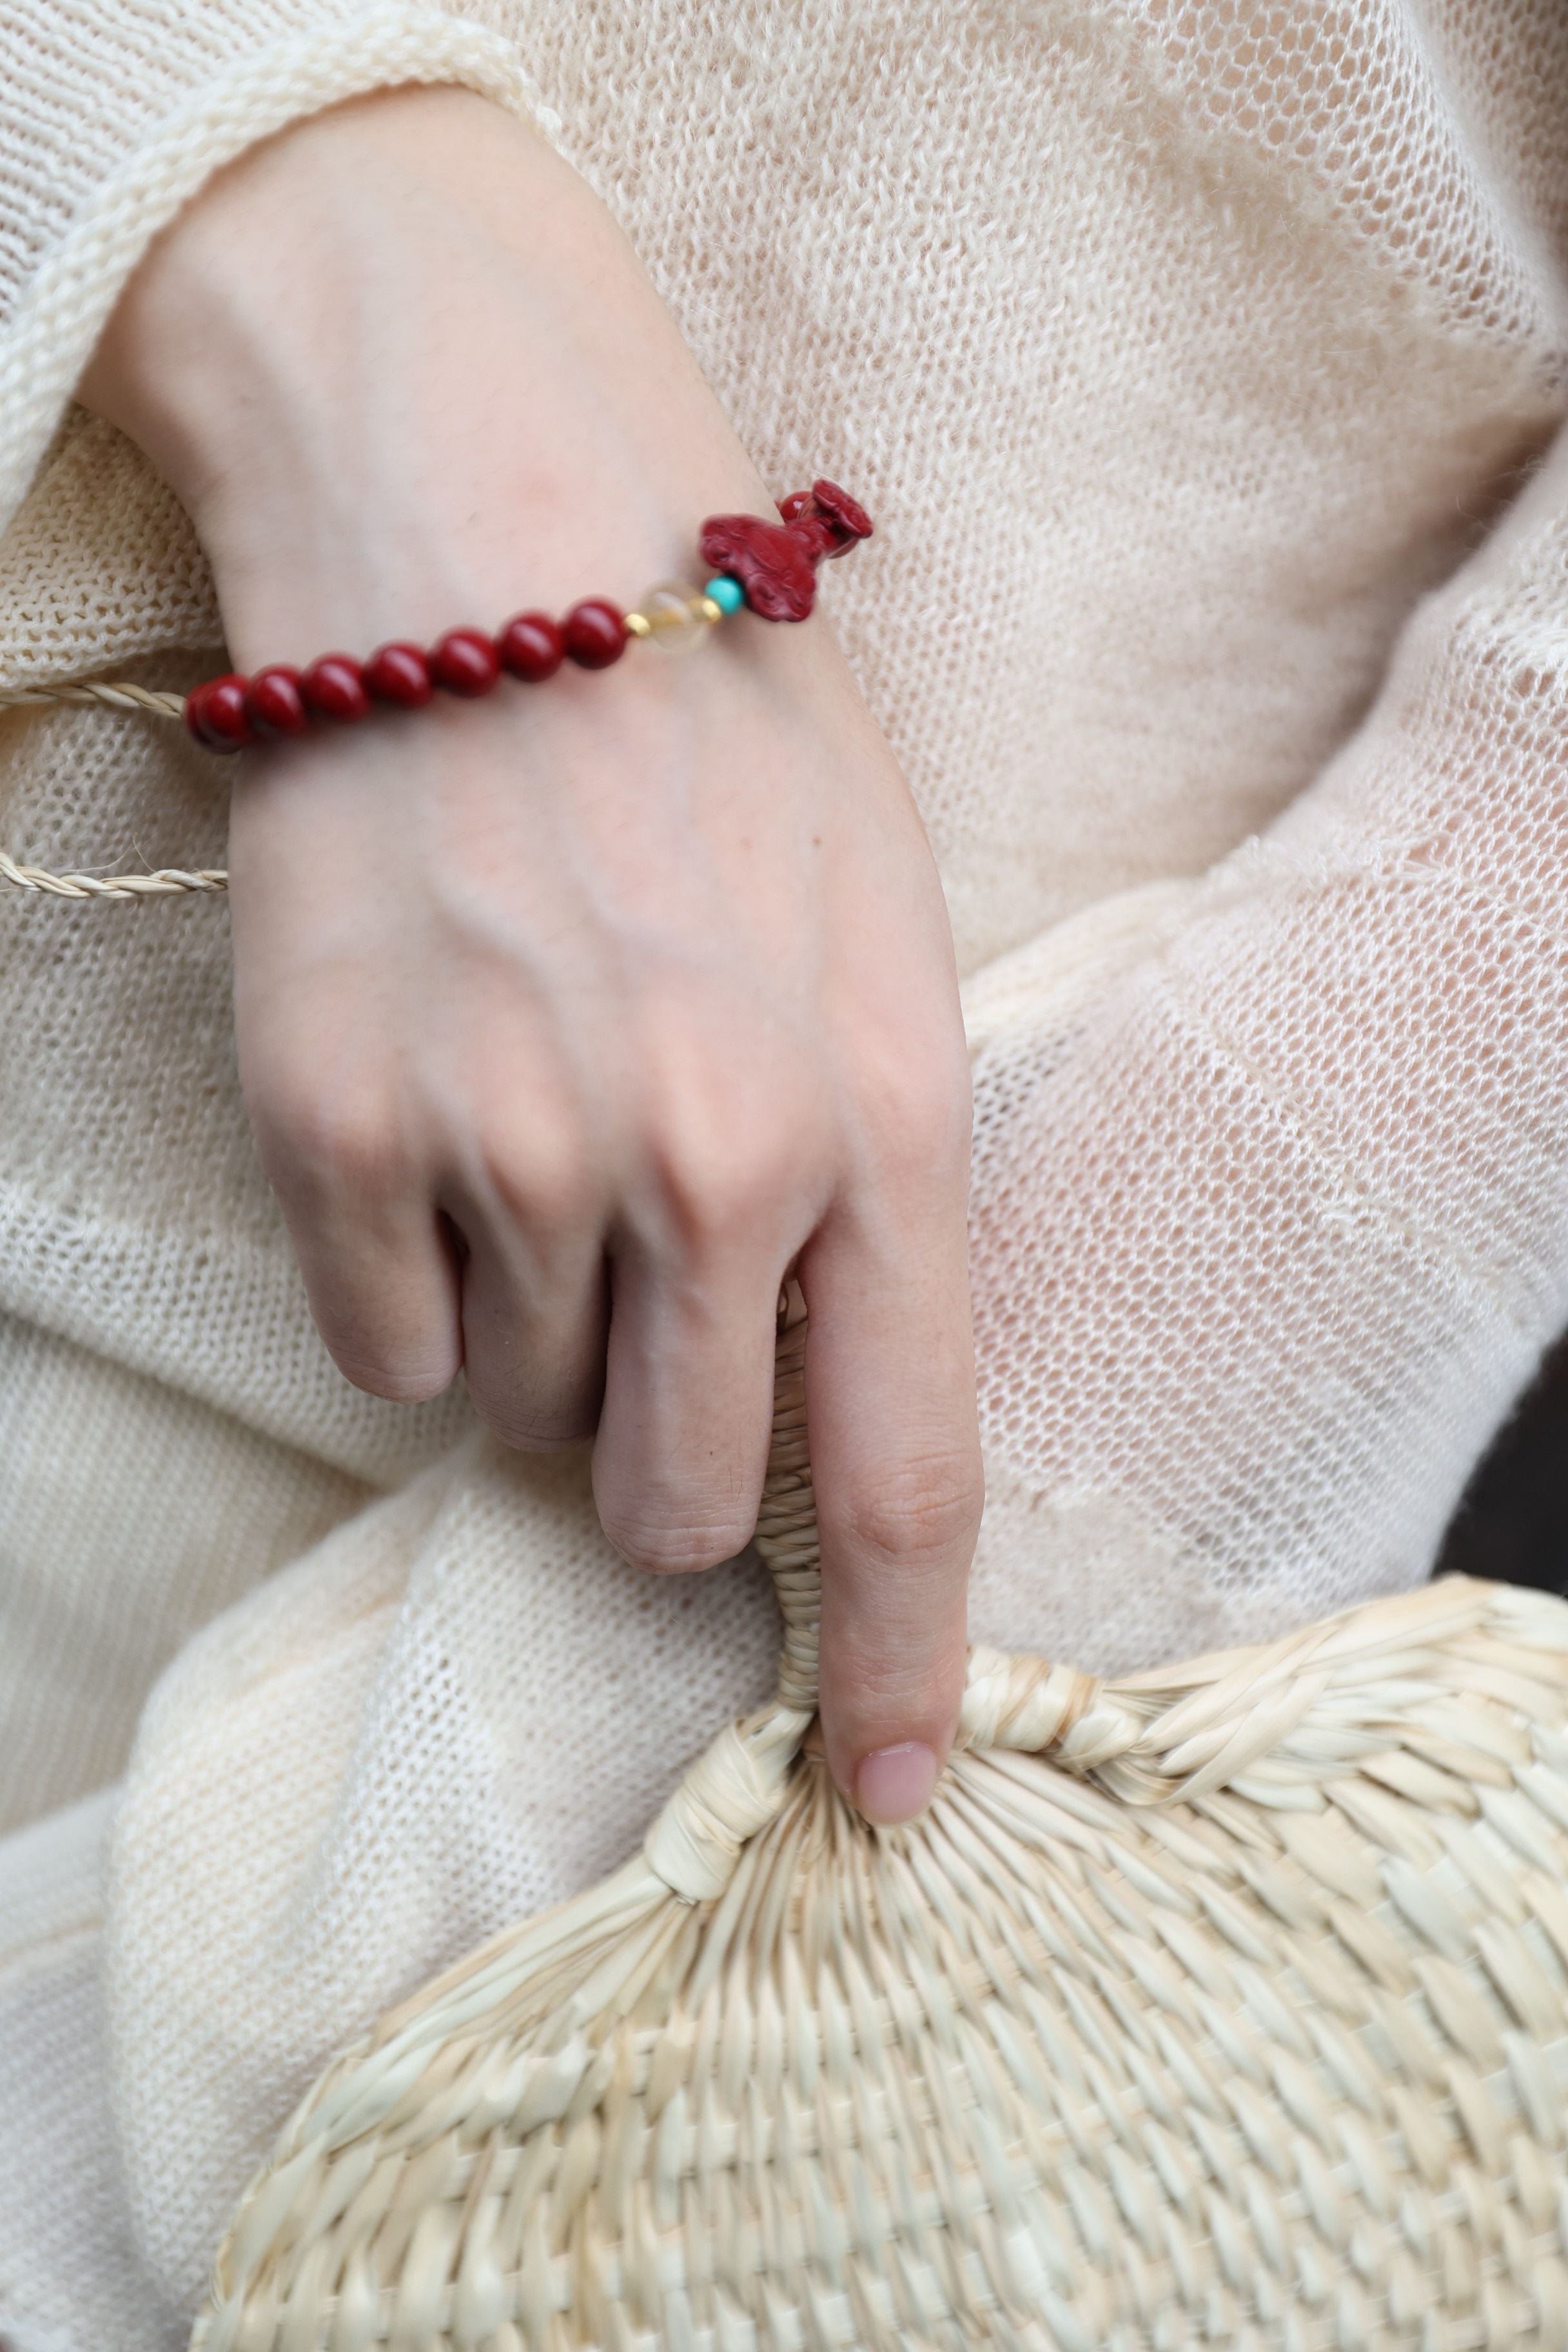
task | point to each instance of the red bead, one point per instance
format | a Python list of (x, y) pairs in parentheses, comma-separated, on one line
[(192, 713), (595, 633), (401, 675), (532, 647), (216, 714), (274, 704), (463, 661), (334, 687)]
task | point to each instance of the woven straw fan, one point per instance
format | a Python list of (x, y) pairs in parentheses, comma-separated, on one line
[(1226, 2005)]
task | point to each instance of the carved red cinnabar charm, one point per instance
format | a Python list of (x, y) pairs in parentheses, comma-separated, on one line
[(775, 562), (772, 564), (826, 509), (767, 567)]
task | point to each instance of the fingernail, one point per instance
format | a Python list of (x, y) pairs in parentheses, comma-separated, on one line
[(894, 1784)]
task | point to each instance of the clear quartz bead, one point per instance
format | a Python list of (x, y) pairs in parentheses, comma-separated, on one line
[(675, 617)]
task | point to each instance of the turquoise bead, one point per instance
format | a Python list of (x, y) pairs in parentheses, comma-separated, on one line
[(727, 594)]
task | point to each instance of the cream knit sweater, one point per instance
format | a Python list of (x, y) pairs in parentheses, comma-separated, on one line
[(1202, 362)]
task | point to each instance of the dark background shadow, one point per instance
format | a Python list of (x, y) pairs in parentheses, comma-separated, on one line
[(1512, 1523)]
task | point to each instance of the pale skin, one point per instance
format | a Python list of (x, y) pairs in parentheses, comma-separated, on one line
[(571, 1019)]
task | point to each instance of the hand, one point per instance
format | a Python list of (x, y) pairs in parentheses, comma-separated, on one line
[(568, 1019)]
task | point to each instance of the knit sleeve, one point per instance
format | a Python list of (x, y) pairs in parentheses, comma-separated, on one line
[(1271, 1220), (114, 112)]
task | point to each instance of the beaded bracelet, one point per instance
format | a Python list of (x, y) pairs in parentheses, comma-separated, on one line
[(768, 567)]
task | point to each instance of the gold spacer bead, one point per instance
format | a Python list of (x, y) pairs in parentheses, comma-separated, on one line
[(710, 610), (637, 624)]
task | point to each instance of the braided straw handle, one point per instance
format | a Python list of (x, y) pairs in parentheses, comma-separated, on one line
[(1173, 1735), (786, 1534), (169, 881), (1009, 1701), (1151, 1740)]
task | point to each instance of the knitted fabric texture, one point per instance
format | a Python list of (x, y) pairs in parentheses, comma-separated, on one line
[(1203, 364), (1226, 2003)]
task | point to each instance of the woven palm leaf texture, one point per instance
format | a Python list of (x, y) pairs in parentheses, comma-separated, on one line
[(1226, 2005)]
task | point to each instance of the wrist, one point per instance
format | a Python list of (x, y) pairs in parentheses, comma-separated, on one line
[(403, 370)]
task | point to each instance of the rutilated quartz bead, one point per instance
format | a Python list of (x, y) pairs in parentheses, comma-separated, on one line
[(676, 621)]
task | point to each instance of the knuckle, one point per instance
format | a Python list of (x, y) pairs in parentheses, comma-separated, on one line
[(919, 1098), (531, 1425), (406, 1368), (342, 1138), (725, 1202), (887, 1697), (715, 1190), (677, 1547), (399, 1378), (539, 1174), (924, 1513)]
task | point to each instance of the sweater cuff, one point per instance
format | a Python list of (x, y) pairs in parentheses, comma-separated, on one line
[(67, 301)]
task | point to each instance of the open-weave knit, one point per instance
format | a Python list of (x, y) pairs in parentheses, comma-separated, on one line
[(1204, 363)]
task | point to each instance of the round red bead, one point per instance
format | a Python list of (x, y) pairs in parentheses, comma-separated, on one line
[(192, 713), (274, 704), (594, 633), (399, 674), (216, 714), (464, 662), (334, 687), (532, 647)]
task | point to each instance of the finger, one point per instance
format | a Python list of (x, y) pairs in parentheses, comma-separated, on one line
[(683, 1437), (381, 1278), (357, 1198), (895, 1452), (534, 1322), (525, 1188)]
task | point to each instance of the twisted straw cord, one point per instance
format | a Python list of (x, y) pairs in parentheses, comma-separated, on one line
[(118, 694), (169, 881)]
